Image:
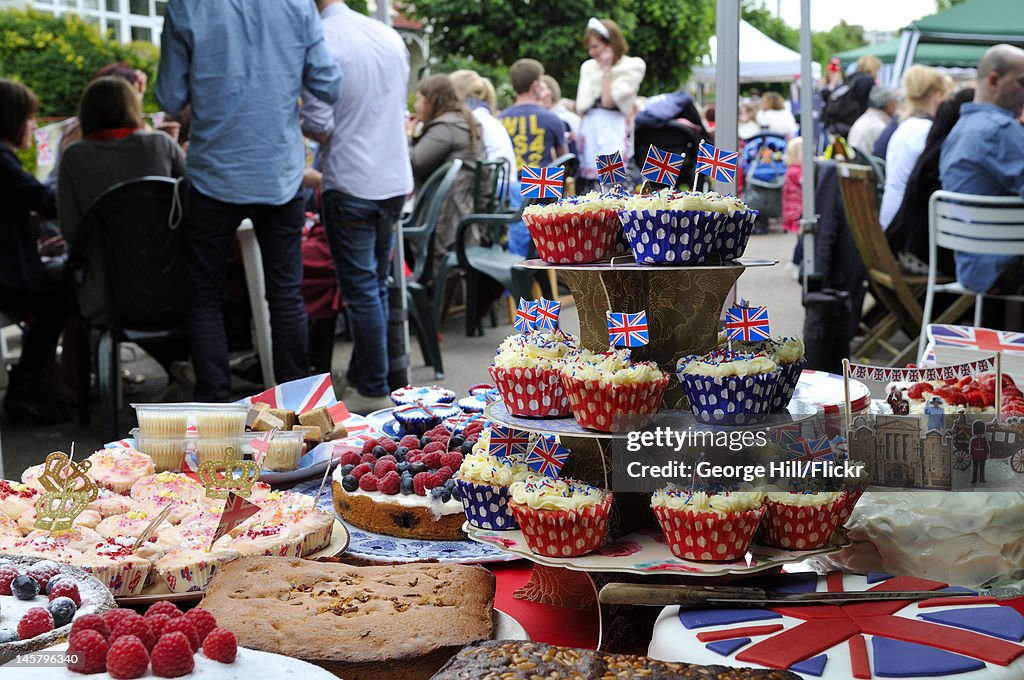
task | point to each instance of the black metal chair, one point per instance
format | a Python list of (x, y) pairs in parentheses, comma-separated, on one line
[(142, 258), (418, 234)]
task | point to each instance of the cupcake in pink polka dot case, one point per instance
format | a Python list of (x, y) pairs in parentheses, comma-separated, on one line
[(560, 517), (801, 521), (575, 229), (708, 527), (527, 372), (601, 386)]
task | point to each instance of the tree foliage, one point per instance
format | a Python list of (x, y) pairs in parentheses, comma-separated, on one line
[(824, 44), (56, 57), (489, 35)]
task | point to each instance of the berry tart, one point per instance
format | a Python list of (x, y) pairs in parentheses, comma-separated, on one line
[(39, 599), (404, 488)]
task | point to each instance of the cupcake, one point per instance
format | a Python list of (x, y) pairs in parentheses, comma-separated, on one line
[(117, 469), (190, 567), (296, 510), (89, 519), (9, 527), (77, 538), (801, 521), (670, 227), (168, 455), (285, 451), (483, 481), (603, 386), (272, 540), (575, 229), (527, 372), (474, 403), (560, 517), (418, 418), (108, 503), (728, 386), (131, 523), (116, 566), (226, 420), (227, 448), (735, 228), (788, 355), (434, 394), (156, 485), (706, 527), (16, 498), (163, 421)]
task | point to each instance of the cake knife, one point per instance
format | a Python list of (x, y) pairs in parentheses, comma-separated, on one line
[(662, 595)]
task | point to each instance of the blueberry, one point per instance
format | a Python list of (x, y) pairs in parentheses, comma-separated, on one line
[(441, 494), (400, 457), (456, 494), (456, 442), (349, 483), (424, 440), (467, 448), (407, 488), (401, 450), (347, 469), (24, 588), (57, 579), (8, 635), (449, 483), (402, 466), (379, 451), (418, 467), (63, 610)]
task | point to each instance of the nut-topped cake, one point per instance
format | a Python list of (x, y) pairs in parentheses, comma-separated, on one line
[(401, 621)]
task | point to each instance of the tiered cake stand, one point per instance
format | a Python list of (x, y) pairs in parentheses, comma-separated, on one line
[(683, 305)]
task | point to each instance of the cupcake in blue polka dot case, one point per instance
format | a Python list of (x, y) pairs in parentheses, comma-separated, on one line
[(737, 225), (788, 354), (474, 403), (729, 387), (434, 394), (483, 481), (418, 418), (670, 227)]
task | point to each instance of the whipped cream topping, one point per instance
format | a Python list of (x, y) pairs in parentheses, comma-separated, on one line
[(547, 493), (720, 504), (804, 500), (611, 367), (536, 349), (719, 364)]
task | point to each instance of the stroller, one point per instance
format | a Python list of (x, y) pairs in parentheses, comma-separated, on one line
[(672, 123), (764, 173)]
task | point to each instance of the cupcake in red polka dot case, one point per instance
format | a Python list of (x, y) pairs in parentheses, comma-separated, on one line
[(575, 229), (801, 521), (560, 517), (601, 386), (708, 527), (527, 373)]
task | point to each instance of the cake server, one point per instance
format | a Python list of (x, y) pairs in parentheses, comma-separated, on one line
[(690, 596)]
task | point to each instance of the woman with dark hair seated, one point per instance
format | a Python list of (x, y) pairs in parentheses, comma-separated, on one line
[(26, 291)]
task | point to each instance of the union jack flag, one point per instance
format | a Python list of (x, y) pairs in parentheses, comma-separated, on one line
[(547, 314), (301, 396), (44, 155), (627, 330), (806, 450), (547, 457), (236, 511), (749, 324), (492, 395), (507, 441), (787, 434), (662, 167), (718, 164), (526, 316), (541, 182), (982, 339), (261, 446), (610, 168)]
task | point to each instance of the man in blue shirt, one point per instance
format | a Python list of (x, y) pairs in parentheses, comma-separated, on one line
[(241, 65), (984, 153)]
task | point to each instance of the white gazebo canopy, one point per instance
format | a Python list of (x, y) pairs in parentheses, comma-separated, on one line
[(762, 60)]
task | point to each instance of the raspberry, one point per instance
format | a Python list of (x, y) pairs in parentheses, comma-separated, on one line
[(164, 607), (134, 626), (127, 658), (368, 458), (432, 460), (410, 441), (350, 458), (156, 624), (43, 571), (383, 467), (389, 445), (66, 589), (368, 446), (414, 456), (114, 617), (452, 459), (361, 469), (444, 474), (202, 621), (368, 482), (424, 482), (89, 650), (7, 574), (220, 645), (172, 656), (182, 625), (390, 484), (36, 621), (434, 446), (90, 622)]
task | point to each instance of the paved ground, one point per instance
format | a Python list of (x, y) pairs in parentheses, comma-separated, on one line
[(465, 360)]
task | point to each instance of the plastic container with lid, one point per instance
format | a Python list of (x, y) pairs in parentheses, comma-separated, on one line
[(173, 420), (286, 448)]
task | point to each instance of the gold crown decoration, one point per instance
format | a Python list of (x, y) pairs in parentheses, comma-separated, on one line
[(221, 477), (68, 492)]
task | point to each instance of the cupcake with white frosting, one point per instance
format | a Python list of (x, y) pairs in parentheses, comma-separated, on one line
[(575, 229), (736, 226), (560, 517), (671, 227), (708, 527), (527, 368), (483, 480), (729, 387), (118, 468), (801, 521), (788, 355), (604, 386)]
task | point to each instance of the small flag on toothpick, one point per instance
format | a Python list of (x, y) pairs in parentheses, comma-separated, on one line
[(546, 317), (507, 441), (718, 164), (541, 182), (610, 168), (662, 167), (261, 446), (627, 330), (236, 511), (747, 324), (547, 457), (526, 316)]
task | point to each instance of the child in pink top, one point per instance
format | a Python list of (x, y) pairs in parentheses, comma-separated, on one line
[(792, 199)]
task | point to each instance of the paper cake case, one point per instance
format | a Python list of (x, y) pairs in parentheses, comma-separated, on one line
[(670, 236), (573, 237), (733, 234), (531, 392), (708, 536), (730, 399), (595, 404), (564, 533), (486, 505), (122, 579), (800, 527), (787, 384)]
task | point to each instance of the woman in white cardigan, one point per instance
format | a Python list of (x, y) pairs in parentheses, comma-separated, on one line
[(606, 99)]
